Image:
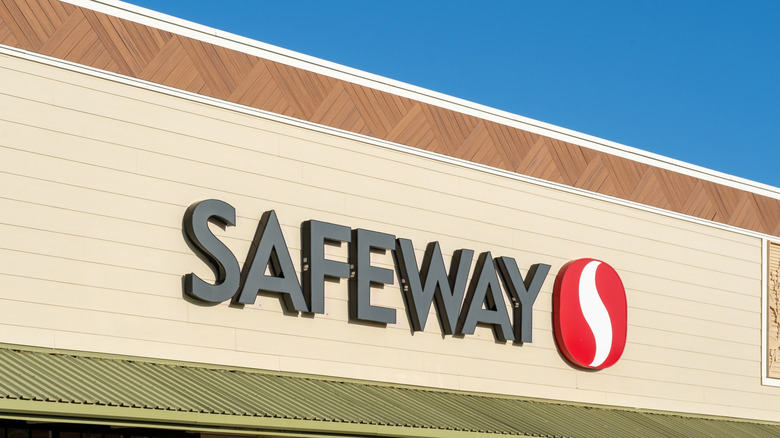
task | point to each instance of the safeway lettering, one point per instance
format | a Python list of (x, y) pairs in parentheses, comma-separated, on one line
[(462, 301)]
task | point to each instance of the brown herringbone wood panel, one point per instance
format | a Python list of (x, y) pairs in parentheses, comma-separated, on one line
[(83, 36)]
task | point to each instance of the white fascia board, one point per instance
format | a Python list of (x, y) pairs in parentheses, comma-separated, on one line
[(228, 40)]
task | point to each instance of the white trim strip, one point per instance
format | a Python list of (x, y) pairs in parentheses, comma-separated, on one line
[(151, 86), (227, 40)]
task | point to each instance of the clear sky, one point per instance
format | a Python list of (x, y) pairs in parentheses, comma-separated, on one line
[(695, 80)]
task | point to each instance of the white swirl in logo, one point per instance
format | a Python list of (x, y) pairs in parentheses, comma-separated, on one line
[(595, 313)]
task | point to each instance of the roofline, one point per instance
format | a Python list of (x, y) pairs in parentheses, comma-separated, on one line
[(117, 416), (224, 104), (232, 41)]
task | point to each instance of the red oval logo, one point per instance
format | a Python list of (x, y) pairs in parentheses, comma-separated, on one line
[(589, 313)]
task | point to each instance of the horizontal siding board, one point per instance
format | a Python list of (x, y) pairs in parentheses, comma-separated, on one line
[(701, 310), (42, 218), (499, 191), (72, 271), (94, 251), (99, 299), (696, 326), (157, 348), (115, 325), (664, 287)]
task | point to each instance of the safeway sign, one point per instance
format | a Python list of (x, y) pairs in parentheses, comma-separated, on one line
[(589, 313), (462, 297)]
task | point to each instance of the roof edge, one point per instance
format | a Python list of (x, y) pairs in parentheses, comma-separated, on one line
[(39, 410), (229, 40), (232, 106), (118, 416)]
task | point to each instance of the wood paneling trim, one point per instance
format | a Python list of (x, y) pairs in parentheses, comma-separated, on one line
[(773, 325), (79, 35)]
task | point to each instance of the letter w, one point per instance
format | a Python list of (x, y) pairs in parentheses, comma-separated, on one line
[(432, 284)]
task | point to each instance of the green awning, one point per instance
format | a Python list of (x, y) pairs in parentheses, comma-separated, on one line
[(52, 385)]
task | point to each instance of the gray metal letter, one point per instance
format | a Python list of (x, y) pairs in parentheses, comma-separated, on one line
[(523, 293), (212, 250), (485, 289), (447, 290), (364, 274), (315, 267), (270, 250)]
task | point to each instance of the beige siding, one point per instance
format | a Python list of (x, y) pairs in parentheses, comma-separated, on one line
[(95, 177)]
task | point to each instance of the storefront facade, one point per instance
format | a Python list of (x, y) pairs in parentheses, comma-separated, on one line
[(116, 122)]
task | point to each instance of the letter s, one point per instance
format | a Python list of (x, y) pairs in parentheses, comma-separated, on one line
[(211, 250)]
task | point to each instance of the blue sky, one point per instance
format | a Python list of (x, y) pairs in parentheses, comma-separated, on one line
[(694, 80)]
